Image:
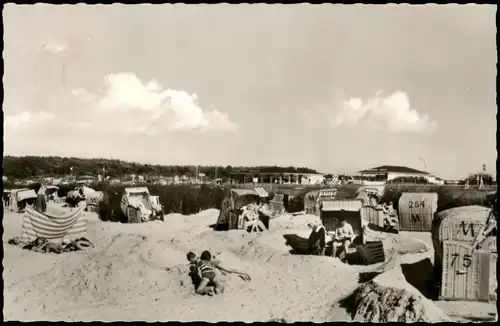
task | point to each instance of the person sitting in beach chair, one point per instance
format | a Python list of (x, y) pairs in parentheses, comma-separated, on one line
[(250, 219), (343, 236), (390, 216), (390, 209), (385, 208), (204, 266)]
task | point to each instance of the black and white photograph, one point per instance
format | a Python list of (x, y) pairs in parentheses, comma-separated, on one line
[(249, 162)]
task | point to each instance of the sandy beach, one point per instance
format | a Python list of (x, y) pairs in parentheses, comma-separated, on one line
[(140, 272), (380, 119)]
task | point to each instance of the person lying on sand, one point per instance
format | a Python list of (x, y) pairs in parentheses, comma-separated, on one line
[(44, 246), (78, 244), (209, 283), (343, 236), (15, 241), (200, 266)]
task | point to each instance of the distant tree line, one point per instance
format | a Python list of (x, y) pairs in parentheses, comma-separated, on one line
[(26, 167)]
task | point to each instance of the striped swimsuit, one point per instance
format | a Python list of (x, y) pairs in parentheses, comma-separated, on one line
[(206, 270)]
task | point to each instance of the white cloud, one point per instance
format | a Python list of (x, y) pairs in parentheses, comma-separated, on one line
[(350, 112), (187, 114), (54, 47), (127, 91), (217, 120), (391, 113), (16, 120), (148, 107), (83, 95)]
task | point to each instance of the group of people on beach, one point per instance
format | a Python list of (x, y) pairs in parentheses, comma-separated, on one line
[(40, 203), (202, 271), (202, 268), (341, 237)]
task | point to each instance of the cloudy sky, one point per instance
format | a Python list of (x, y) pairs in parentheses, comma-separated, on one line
[(335, 88)]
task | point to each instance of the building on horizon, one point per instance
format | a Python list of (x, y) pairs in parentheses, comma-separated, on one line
[(389, 172), (277, 177)]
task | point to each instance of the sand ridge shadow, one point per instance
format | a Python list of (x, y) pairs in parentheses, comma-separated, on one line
[(490, 319), (377, 228), (349, 303), (421, 276), (299, 245), (367, 276)]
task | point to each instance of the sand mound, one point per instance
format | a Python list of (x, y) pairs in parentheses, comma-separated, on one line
[(401, 243), (148, 270), (288, 221), (406, 245), (389, 297), (129, 268), (140, 272)]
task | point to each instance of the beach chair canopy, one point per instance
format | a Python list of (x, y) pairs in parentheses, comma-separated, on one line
[(295, 191), (260, 192), (341, 205), (26, 194), (136, 190), (49, 190)]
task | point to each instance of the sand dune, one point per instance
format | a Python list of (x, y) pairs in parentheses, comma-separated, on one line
[(139, 272)]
